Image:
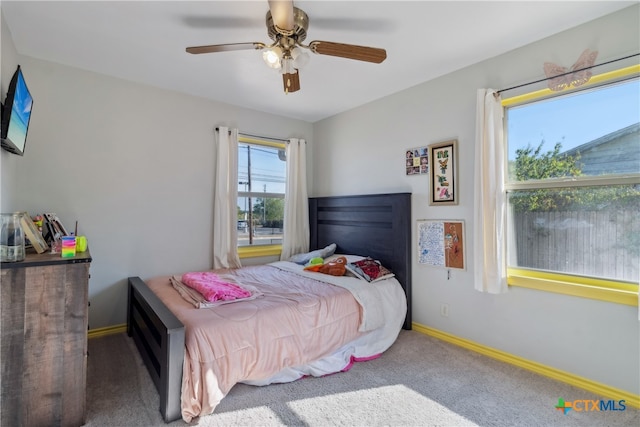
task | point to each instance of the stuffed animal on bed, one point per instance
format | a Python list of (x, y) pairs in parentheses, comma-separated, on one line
[(336, 267)]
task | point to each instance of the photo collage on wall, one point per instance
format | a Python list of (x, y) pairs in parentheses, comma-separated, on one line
[(417, 161)]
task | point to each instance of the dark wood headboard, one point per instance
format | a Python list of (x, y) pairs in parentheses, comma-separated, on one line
[(375, 225)]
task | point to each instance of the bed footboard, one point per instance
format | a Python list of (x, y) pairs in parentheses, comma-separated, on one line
[(159, 336)]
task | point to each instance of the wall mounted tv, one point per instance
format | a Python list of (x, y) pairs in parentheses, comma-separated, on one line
[(16, 114)]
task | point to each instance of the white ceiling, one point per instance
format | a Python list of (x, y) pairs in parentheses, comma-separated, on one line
[(145, 41)]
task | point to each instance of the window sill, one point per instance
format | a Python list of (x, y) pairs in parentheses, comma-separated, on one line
[(259, 251), (602, 290)]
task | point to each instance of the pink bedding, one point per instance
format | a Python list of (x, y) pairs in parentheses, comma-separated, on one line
[(212, 287), (298, 320)]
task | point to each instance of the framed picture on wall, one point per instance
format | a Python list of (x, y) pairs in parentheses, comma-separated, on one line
[(444, 173), (417, 161)]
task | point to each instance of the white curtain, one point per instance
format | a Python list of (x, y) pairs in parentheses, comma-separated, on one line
[(225, 200), (296, 205), (489, 243)]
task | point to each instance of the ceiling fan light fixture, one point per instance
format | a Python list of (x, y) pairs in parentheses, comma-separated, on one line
[(272, 57), (300, 58), (287, 65)]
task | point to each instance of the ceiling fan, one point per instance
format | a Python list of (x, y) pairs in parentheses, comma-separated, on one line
[(287, 27)]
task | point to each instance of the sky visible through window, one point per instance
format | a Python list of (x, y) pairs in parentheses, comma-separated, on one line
[(267, 169), (573, 119)]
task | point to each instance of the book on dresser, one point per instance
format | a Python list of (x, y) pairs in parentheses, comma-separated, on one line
[(33, 234)]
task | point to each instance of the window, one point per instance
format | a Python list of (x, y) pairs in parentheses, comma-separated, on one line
[(261, 189), (573, 191)]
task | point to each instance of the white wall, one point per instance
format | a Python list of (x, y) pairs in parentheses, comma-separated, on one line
[(132, 163), (362, 151)]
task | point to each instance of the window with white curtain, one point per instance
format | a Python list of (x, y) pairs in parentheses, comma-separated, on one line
[(573, 190), (261, 190)]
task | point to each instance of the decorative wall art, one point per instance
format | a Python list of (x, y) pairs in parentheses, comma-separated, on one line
[(444, 173), (417, 161), (561, 78), (441, 243)]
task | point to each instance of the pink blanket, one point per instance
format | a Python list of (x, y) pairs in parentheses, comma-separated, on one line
[(213, 288)]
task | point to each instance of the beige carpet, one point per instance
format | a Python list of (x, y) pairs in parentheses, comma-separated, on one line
[(419, 381)]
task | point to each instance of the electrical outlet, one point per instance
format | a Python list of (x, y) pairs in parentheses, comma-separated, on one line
[(444, 310)]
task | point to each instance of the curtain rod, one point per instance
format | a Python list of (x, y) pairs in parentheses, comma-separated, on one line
[(258, 136), (567, 73)]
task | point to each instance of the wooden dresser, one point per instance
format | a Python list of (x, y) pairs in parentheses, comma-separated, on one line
[(43, 343)]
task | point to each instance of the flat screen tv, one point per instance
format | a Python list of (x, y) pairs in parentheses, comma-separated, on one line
[(16, 114)]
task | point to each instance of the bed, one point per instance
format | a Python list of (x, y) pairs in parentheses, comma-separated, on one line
[(378, 226)]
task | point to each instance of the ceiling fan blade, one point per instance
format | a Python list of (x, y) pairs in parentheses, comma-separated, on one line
[(350, 51), (225, 47), (282, 14), (291, 82)]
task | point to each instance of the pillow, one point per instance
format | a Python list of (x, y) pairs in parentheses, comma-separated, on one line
[(370, 270), (304, 258)]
